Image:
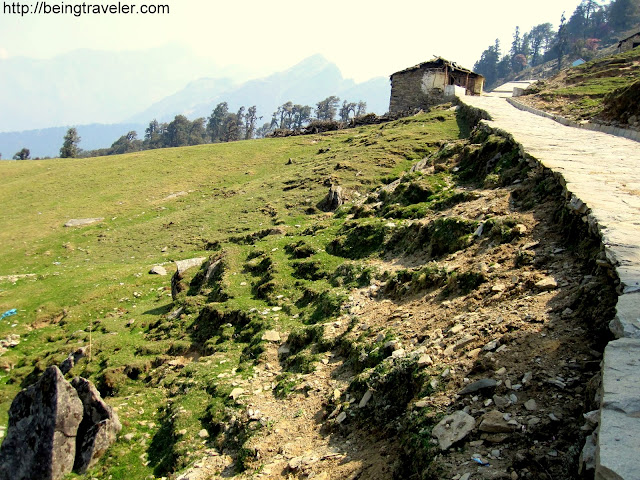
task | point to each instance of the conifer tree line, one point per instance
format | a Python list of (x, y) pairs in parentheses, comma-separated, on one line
[(592, 24), (222, 125)]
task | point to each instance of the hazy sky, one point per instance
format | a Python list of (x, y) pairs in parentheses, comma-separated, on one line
[(364, 38)]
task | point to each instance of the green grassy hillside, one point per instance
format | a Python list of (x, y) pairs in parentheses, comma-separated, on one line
[(592, 90), (253, 205)]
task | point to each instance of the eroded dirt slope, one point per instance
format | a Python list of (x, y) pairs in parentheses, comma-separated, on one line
[(493, 301)]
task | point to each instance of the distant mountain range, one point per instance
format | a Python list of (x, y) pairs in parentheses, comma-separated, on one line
[(47, 92), (306, 83), (88, 86)]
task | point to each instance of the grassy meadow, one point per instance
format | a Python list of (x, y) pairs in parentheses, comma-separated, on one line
[(81, 286)]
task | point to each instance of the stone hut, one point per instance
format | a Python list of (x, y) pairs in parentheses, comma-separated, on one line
[(628, 43), (430, 83)]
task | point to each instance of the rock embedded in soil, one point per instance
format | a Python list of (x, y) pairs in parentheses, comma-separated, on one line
[(235, 393), (453, 428), (425, 360), (365, 399), (546, 284), (271, 336), (484, 384), (158, 270), (82, 222), (494, 422)]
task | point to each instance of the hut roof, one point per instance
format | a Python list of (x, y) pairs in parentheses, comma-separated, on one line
[(439, 62)]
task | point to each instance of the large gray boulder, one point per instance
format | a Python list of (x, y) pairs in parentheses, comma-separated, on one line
[(98, 429), (43, 424)]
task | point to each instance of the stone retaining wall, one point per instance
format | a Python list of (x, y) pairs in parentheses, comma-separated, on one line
[(614, 447)]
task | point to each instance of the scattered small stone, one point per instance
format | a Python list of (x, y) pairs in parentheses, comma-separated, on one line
[(533, 421), (527, 377), (400, 353), (546, 284), (501, 402), (453, 428), (81, 222), (491, 346), (342, 417), (456, 329), (483, 384), (128, 437), (520, 229), (494, 422), (392, 344), (158, 270), (203, 433), (531, 405), (236, 392), (284, 350), (271, 336), (295, 463), (425, 360), (501, 371), (365, 399), (464, 341)]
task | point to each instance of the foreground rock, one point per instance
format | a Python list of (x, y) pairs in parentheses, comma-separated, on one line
[(43, 423), (56, 427), (453, 428), (98, 429)]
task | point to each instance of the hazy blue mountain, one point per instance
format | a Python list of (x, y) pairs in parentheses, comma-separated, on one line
[(86, 86), (306, 83), (46, 142)]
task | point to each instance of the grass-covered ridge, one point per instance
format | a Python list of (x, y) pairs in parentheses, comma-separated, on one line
[(251, 205), (589, 91)]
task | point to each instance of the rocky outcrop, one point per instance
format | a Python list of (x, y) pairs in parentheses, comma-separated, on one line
[(72, 359), (182, 266), (98, 429), (43, 423), (334, 199), (56, 427)]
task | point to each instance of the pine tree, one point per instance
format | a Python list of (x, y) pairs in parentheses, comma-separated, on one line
[(70, 146)]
